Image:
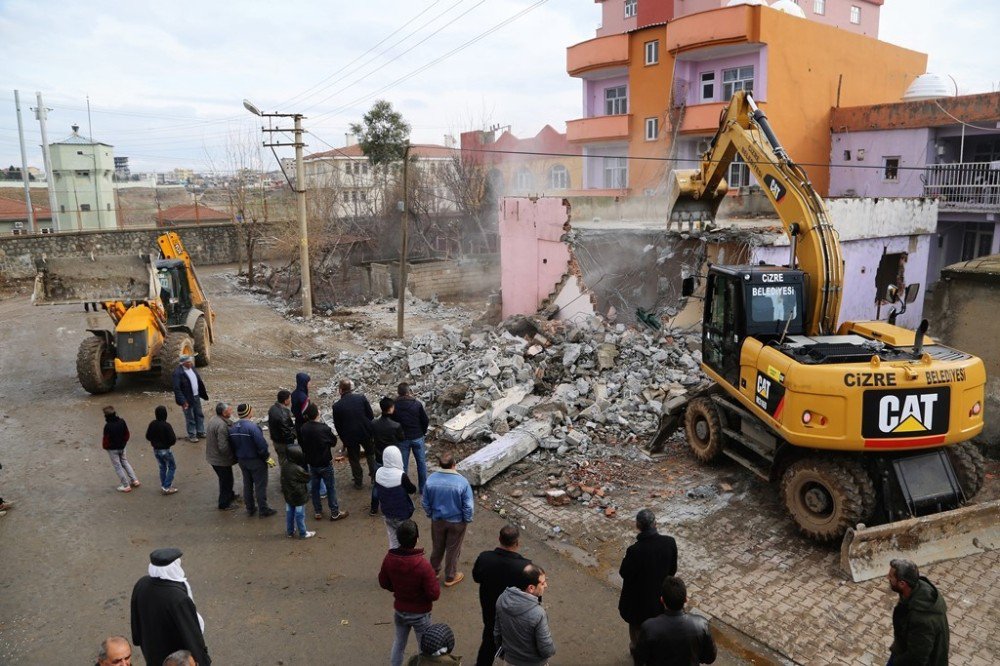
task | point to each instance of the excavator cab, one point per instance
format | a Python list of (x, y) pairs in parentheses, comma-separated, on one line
[(175, 294)]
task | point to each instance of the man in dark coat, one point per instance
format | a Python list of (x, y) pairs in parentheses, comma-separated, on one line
[(496, 570), (280, 424), (317, 440), (674, 638), (647, 562), (352, 417), (164, 617), (251, 451), (385, 432), (189, 391), (919, 620), (219, 453), (300, 398), (410, 414)]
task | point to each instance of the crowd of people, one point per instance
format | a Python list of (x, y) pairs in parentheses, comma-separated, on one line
[(169, 630)]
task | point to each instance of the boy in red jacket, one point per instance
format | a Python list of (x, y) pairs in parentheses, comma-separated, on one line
[(409, 576)]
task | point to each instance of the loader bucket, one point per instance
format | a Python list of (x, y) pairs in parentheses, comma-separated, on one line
[(95, 279), (684, 206), (866, 552)]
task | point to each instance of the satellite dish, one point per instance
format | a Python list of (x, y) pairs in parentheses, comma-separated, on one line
[(929, 86), (789, 7)]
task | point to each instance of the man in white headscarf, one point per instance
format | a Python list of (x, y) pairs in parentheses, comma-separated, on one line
[(393, 489), (164, 617)]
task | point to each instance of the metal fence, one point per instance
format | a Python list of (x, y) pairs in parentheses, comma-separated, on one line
[(965, 185)]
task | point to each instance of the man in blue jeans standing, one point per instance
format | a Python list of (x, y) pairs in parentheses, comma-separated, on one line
[(317, 439), (189, 391), (410, 414)]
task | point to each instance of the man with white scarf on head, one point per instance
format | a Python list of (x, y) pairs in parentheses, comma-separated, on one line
[(393, 489), (164, 617)]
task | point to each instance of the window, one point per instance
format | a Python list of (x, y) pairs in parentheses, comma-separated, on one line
[(631, 8), (652, 128), (615, 172), (62, 208), (85, 208), (109, 207), (559, 177), (523, 180), (739, 173), (855, 14), (977, 240), (615, 101), (653, 52), (737, 78), (891, 171), (83, 174), (819, 7), (708, 86)]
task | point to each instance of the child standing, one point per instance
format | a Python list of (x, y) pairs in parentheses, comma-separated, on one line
[(161, 435), (115, 438), (295, 488)]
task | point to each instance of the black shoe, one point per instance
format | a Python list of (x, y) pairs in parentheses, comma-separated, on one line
[(267, 513), (251, 512), (373, 512)]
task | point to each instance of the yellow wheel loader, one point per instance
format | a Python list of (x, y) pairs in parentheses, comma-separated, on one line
[(859, 423), (157, 306)]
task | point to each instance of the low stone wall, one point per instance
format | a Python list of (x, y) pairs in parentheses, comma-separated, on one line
[(206, 243), (448, 278)]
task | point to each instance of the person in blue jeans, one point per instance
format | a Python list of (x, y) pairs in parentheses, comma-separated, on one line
[(189, 391), (317, 441), (409, 413), (160, 434), (294, 480)]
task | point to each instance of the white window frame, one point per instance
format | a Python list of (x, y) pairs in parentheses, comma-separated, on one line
[(707, 79), (738, 173), (740, 78), (616, 104), (559, 177), (615, 173), (652, 52), (523, 180), (631, 8), (819, 7), (894, 178), (652, 128), (855, 15)]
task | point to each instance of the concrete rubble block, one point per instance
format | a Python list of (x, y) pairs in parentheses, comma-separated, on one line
[(464, 425), (540, 339), (577, 438), (557, 497), (571, 352), (419, 360), (606, 355), (510, 398), (497, 456)]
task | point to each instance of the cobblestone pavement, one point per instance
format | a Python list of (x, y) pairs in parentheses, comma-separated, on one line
[(746, 565)]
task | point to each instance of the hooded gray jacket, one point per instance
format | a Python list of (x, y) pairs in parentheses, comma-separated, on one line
[(522, 629), (218, 452)]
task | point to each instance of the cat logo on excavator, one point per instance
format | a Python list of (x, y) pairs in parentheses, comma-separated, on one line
[(893, 419)]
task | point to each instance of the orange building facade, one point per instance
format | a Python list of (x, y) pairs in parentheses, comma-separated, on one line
[(653, 94)]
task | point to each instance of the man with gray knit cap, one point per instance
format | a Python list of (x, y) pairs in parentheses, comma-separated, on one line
[(219, 453)]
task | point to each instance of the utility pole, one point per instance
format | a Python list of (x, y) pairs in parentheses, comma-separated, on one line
[(41, 113), (403, 247), (300, 195), (24, 165)]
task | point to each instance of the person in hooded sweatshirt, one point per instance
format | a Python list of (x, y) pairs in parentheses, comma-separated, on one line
[(300, 399), (919, 620), (160, 434), (115, 438), (393, 489), (295, 488), (408, 575), (522, 627)]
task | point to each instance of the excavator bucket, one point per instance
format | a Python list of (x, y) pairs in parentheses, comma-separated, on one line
[(685, 207), (866, 552), (95, 279)]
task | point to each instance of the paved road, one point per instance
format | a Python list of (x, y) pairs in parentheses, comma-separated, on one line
[(73, 547)]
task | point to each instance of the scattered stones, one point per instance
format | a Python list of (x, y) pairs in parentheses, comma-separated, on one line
[(557, 497)]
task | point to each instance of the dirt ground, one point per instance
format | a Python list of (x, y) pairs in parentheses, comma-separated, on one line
[(73, 547)]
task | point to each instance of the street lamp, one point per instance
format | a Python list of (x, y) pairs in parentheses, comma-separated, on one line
[(300, 194)]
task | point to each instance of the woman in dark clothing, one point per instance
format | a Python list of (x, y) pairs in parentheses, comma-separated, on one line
[(161, 435), (393, 489)]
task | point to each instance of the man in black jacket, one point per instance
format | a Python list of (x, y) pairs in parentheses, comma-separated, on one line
[(674, 638), (496, 570), (410, 414), (189, 391), (164, 617), (352, 417), (647, 562), (316, 440), (280, 424), (385, 432)]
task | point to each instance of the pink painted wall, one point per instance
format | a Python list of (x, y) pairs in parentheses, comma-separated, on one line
[(593, 94), (837, 12), (533, 259), (613, 21), (866, 177)]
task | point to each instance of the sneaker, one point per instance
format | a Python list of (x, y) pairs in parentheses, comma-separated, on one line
[(136, 483), (318, 516), (202, 435), (124, 489), (373, 512), (192, 439), (459, 577), (308, 535), (168, 491), (267, 513), (290, 534), (322, 495), (340, 515)]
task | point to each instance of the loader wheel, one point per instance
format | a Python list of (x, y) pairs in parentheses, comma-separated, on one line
[(824, 497), (95, 366), (174, 346), (202, 345), (970, 467), (703, 427)]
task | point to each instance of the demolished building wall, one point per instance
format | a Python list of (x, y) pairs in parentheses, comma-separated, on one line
[(533, 259)]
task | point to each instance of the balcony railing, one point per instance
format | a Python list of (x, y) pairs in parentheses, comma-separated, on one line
[(965, 185)]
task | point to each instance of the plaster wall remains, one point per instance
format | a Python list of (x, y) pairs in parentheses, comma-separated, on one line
[(533, 259)]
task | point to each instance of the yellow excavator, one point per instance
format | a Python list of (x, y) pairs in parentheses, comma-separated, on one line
[(157, 305), (860, 423)]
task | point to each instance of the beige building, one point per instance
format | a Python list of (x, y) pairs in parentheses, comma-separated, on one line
[(82, 172)]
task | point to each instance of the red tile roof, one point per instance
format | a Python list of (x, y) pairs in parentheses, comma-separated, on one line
[(13, 210), (188, 213)]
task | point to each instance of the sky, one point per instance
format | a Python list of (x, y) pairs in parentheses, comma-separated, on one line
[(166, 80)]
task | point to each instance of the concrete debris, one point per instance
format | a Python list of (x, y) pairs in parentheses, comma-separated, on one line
[(497, 456)]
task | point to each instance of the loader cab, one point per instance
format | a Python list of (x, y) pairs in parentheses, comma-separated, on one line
[(765, 302), (174, 290)]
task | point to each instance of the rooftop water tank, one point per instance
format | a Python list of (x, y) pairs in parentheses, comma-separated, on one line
[(789, 7), (929, 86), (733, 3)]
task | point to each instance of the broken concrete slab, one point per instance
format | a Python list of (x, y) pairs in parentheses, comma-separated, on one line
[(472, 421), (494, 458)]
